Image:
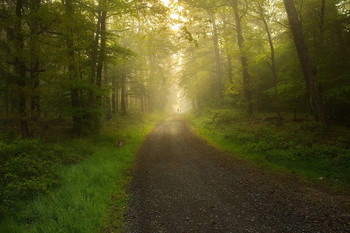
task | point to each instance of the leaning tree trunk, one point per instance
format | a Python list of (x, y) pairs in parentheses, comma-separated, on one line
[(244, 60), (306, 65)]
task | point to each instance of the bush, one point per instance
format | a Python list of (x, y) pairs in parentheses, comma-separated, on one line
[(27, 167), (312, 148)]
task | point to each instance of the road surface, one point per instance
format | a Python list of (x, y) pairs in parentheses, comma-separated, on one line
[(182, 184)]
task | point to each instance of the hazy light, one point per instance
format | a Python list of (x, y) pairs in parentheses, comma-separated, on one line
[(175, 27), (176, 20), (175, 16), (166, 2)]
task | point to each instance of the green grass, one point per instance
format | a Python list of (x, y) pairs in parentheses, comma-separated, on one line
[(88, 190), (309, 149)]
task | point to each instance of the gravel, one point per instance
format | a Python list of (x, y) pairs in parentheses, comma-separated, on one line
[(182, 184)]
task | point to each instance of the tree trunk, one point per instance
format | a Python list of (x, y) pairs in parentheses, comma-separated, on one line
[(94, 56), (244, 60), (123, 97), (108, 107), (20, 69), (306, 65), (228, 56), (272, 58), (114, 96), (35, 62), (102, 52), (74, 92), (322, 16), (217, 58), (142, 103)]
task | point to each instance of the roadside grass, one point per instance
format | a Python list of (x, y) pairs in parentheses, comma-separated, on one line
[(86, 192), (307, 148)]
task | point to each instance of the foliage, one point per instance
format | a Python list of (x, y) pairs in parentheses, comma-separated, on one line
[(27, 168), (30, 167), (87, 194), (308, 148)]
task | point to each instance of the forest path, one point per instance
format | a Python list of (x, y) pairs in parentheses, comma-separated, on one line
[(182, 184)]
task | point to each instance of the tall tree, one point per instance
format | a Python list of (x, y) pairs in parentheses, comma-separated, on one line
[(72, 69), (261, 11), (217, 56), (20, 68), (244, 60), (304, 59)]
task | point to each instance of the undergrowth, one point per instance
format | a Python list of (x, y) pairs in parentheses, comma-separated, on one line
[(71, 185), (308, 148)]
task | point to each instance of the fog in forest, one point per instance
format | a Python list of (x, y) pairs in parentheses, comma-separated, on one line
[(84, 82), (84, 61)]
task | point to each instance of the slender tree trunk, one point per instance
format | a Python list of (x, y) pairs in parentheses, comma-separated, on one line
[(217, 57), (74, 92), (117, 97), (123, 95), (306, 65), (100, 65), (228, 56), (142, 103), (244, 60), (272, 58), (94, 56), (114, 96), (91, 117), (108, 107), (322, 16), (35, 62), (102, 52), (20, 69)]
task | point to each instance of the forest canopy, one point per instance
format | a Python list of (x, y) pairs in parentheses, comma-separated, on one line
[(82, 61)]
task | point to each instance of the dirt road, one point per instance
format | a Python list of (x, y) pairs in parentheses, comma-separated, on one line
[(182, 184)]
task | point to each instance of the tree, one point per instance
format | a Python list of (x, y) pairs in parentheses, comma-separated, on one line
[(244, 60), (306, 65)]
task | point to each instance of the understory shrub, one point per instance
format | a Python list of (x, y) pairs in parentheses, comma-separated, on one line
[(27, 167), (309, 147)]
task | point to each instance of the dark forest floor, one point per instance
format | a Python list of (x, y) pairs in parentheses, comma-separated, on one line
[(182, 184)]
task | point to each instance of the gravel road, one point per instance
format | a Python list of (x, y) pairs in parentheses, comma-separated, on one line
[(182, 184)]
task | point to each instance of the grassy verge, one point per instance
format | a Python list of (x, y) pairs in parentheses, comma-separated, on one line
[(82, 199), (307, 148)]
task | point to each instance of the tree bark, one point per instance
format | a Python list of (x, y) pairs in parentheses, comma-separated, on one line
[(74, 92), (217, 57), (20, 69), (228, 56), (272, 58), (305, 62), (244, 60), (108, 105), (102, 52), (35, 62), (114, 96), (123, 93)]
